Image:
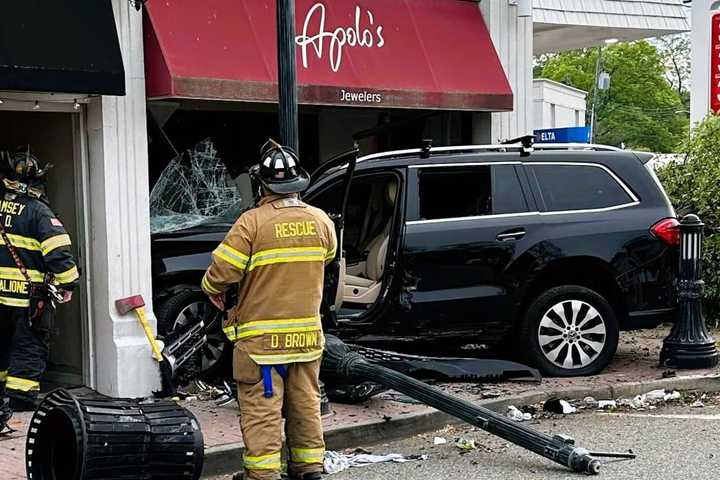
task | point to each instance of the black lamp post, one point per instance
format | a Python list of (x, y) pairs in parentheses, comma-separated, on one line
[(340, 361), (287, 74), (689, 344)]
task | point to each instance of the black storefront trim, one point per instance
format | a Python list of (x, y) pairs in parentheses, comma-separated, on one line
[(68, 46)]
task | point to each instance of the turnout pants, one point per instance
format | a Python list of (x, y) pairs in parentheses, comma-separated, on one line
[(297, 398), (23, 356)]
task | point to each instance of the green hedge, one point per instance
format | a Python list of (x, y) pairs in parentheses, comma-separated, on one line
[(693, 185)]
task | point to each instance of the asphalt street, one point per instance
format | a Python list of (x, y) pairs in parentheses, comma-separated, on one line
[(671, 443)]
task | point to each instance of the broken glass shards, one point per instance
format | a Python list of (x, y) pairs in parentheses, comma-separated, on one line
[(194, 189)]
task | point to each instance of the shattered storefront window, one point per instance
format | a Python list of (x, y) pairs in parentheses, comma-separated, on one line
[(195, 189)]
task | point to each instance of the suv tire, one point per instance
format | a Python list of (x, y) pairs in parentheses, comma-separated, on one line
[(190, 306), (570, 318)]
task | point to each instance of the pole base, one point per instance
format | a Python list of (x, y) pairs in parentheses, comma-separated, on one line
[(689, 355)]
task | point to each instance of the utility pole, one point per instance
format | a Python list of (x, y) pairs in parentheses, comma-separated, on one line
[(287, 74), (596, 89)]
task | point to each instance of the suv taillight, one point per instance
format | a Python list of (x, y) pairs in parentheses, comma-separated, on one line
[(667, 230)]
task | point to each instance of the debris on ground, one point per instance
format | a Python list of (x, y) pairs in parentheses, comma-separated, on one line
[(514, 414), (669, 374), (465, 444), (335, 462), (555, 405), (606, 404), (439, 441)]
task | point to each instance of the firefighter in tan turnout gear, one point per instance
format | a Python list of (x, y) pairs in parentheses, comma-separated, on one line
[(277, 253)]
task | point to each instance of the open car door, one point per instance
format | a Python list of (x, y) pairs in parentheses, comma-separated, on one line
[(335, 272)]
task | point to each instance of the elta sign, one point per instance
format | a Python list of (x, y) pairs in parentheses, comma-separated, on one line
[(715, 64)]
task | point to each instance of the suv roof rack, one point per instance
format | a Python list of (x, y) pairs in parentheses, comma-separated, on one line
[(519, 146)]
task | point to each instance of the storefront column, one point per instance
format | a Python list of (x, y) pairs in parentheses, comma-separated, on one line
[(513, 39), (119, 222)]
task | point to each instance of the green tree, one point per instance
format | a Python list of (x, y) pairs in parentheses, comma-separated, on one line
[(693, 185), (640, 109)]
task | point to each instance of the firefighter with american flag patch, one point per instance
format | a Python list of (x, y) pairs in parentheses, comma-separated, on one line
[(35, 259)]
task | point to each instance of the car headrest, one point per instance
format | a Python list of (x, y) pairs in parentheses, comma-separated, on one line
[(391, 193)]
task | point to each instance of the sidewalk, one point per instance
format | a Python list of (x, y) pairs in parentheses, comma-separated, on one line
[(633, 371)]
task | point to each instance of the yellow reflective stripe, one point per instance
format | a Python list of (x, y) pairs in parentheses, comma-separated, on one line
[(231, 256), (22, 385), (280, 359), (263, 462), (55, 242), (208, 287), (230, 333), (3, 376), (287, 255), (22, 242), (307, 455), (281, 325), (284, 325), (331, 254), (15, 302), (11, 273), (68, 276)]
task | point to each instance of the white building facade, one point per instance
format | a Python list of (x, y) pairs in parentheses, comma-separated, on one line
[(557, 105)]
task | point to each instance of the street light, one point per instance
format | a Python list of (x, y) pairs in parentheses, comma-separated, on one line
[(598, 86)]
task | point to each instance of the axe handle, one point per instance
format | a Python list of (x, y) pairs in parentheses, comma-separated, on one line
[(157, 355)]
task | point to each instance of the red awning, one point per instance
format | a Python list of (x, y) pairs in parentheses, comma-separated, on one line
[(434, 54)]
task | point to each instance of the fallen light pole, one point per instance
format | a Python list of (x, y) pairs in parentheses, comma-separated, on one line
[(340, 360), (80, 434), (689, 344)]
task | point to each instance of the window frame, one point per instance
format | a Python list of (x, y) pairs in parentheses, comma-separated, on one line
[(542, 205), (413, 204)]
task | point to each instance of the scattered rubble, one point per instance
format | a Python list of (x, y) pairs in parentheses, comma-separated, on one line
[(335, 462), (439, 441), (514, 414), (555, 405), (465, 444)]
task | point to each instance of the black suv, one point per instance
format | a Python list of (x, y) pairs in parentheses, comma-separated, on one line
[(548, 251)]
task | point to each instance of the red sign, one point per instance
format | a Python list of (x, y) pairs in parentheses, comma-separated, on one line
[(386, 53), (715, 64)]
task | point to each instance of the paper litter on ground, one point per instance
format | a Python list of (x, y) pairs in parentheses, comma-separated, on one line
[(335, 462)]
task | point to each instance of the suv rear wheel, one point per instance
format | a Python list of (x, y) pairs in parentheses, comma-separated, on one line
[(570, 331)]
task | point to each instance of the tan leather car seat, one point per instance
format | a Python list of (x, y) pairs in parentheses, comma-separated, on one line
[(365, 287)]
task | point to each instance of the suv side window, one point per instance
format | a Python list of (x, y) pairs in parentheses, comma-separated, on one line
[(469, 191), (578, 187)]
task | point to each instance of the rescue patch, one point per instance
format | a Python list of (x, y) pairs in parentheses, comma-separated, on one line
[(56, 222), (295, 229), (292, 341)]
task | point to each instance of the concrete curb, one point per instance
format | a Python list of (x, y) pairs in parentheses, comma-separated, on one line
[(228, 458)]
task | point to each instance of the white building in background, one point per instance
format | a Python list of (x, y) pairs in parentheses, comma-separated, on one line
[(557, 106), (704, 83), (569, 24)]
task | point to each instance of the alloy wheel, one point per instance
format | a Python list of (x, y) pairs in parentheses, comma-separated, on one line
[(572, 334), (216, 344)]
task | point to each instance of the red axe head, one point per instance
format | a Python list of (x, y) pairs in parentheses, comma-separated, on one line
[(127, 305)]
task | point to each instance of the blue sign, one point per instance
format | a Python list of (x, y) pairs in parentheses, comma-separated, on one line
[(563, 135)]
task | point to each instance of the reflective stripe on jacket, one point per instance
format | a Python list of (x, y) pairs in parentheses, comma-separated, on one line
[(40, 241), (277, 253)]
